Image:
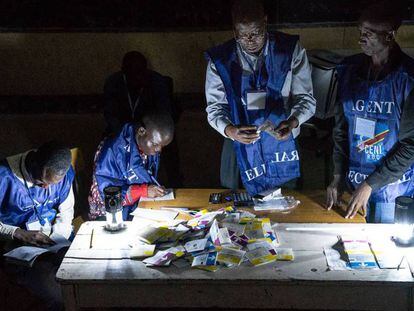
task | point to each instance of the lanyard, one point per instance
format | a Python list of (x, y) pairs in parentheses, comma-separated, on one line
[(256, 78), (37, 213), (132, 106)]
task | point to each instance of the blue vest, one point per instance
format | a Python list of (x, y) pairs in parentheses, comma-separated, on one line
[(382, 102), (120, 164), (268, 163), (16, 206)]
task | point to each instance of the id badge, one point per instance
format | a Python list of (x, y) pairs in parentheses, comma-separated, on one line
[(33, 224), (365, 127), (256, 100)]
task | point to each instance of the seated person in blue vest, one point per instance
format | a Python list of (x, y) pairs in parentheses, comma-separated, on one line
[(133, 90), (36, 199), (130, 160), (256, 77), (374, 130)]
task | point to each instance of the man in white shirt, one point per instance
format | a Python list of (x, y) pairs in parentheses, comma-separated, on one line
[(258, 76)]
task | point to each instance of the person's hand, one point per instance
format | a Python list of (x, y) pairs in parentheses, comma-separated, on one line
[(37, 238), (359, 200), (155, 191), (284, 129), (334, 192), (245, 134)]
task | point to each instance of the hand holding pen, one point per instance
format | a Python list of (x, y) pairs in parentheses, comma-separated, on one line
[(156, 190)]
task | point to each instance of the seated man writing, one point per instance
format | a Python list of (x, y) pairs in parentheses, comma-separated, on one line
[(36, 199), (130, 160)]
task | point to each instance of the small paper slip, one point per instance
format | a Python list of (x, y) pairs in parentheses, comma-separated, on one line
[(262, 244), (169, 196), (334, 261), (155, 214), (232, 218), (205, 261), (254, 230), (284, 254), (203, 219), (387, 254), (241, 240), (359, 253), (141, 251), (260, 256), (276, 204), (246, 214), (224, 236), (162, 258), (230, 256), (234, 228), (25, 254), (196, 245), (151, 234), (215, 233)]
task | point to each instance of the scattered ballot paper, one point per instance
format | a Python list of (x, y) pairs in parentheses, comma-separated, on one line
[(284, 254), (230, 256), (167, 197), (359, 253), (195, 245), (151, 234), (260, 256), (141, 251), (164, 258), (205, 262)]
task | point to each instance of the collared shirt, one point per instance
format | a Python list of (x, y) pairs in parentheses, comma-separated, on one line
[(297, 90), (63, 220)]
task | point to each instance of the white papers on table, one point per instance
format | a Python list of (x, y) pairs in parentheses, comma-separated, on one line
[(141, 251), (388, 255), (167, 197), (154, 214), (334, 261), (230, 256), (195, 245)]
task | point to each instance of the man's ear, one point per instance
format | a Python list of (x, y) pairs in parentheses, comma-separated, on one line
[(391, 36), (141, 131)]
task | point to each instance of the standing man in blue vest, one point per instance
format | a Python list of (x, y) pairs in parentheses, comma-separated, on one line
[(256, 77), (130, 160), (374, 131), (36, 199)]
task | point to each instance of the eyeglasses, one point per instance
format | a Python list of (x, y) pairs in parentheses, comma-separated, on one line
[(253, 35)]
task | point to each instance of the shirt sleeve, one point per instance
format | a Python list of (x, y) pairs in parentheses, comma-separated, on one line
[(7, 231), (401, 156), (303, 103), (218, 110), (63, 220), (341, 142)]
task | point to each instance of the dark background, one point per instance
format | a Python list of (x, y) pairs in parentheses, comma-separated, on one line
[(158, 15)]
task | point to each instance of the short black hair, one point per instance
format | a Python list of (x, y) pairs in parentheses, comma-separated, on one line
[(160, 120), (133, 60), (383, 13), (246, 11), (54, 157)]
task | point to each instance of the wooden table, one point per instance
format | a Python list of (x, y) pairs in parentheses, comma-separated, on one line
[(311, 209), (303, 284)]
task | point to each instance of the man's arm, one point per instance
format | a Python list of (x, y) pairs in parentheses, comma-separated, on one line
[(63, 220), (7, 231), (218, 110), (301, 92), (401, 157)]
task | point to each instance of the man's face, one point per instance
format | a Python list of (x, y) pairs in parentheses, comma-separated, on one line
[(150, 141), (374, 38), (47, 178), (251, 36)]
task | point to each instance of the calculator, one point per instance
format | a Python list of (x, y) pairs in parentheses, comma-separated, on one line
[(242, 199)]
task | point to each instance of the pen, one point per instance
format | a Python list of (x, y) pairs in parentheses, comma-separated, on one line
[(155, 181), (90, 243)]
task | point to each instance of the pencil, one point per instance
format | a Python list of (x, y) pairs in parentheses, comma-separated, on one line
[(90, 243)]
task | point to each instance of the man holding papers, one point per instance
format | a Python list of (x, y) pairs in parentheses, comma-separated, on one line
[(130, 160)]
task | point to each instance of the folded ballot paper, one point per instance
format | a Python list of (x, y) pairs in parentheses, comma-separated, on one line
[(208, 240), (27, 255), (359, 253)]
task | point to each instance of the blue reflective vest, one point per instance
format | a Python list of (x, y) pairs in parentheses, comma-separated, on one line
[(267, 163), (120, 164), (16, 206), (383, 103)]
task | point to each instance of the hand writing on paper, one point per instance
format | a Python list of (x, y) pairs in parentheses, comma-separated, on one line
[(284, 129), (359, 200), (334, 192), (156, 191), (245, 134), (32, 237)]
